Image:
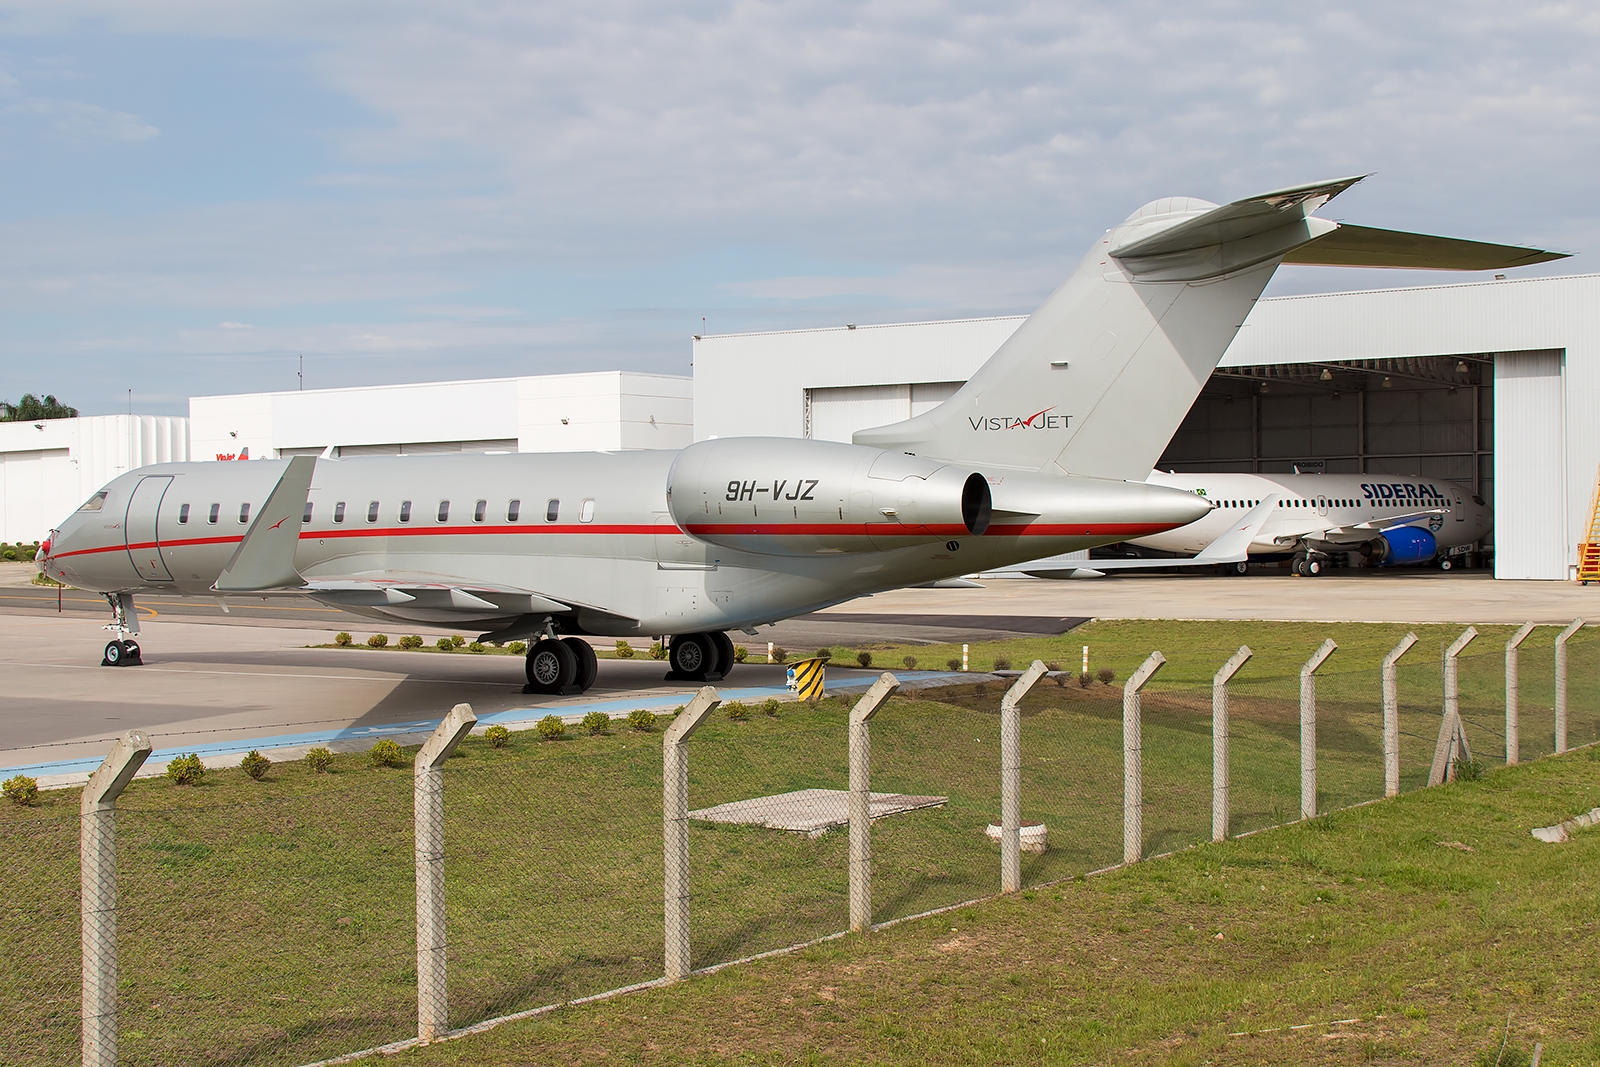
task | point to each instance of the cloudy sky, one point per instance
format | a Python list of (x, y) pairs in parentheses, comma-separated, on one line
[(195, 192)]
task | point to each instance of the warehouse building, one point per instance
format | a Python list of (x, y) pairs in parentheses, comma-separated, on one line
[(1482, 383)]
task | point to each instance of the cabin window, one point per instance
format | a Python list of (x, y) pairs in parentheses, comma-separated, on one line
[(444, 511), (216, 510), (183, 513), (306, 518), (338, 512), (479, 510), (405, 511), (94, 503), (372, 511), (244, 513), (513, 509), (552, 510), (586, 514)]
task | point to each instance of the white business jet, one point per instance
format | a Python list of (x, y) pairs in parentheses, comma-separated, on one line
[(1045, 450)]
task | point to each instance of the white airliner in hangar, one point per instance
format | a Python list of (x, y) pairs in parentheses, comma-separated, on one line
[(1388, 520), (1045, 450)]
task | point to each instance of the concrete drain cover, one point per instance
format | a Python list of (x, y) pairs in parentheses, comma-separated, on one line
[(812, 812)]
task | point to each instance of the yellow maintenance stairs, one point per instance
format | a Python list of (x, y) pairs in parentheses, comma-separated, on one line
[(1589, 551)]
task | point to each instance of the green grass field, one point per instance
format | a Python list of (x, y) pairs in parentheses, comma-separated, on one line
[(271, 922)]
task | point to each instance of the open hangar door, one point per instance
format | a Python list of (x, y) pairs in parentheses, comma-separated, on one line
[(1424, 417)]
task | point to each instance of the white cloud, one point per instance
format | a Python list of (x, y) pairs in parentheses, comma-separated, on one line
[(225, 325), (78, 122)]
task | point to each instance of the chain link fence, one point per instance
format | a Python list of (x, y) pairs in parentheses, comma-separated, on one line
[(274, 921)]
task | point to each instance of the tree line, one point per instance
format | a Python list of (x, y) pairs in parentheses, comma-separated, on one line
[(33, 409)]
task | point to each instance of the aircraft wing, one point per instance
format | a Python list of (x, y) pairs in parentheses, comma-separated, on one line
[(433, 592)]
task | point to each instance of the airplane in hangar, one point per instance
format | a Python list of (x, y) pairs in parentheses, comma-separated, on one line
[(1389, 520), (1045, 450)]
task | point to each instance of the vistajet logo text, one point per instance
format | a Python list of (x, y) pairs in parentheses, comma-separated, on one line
[(1039, 420)]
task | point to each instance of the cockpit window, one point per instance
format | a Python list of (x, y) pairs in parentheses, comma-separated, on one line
[(94, 503)]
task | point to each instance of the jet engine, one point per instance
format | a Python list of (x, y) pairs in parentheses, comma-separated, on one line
[(1402, 545), (785, 497)]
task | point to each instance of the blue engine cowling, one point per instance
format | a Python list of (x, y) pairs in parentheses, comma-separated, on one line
[(1402, 545)]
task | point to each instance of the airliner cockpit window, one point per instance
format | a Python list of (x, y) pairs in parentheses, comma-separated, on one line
[(94, 503)]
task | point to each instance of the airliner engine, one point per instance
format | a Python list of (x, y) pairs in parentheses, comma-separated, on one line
[(1402, 545), (786, 497)]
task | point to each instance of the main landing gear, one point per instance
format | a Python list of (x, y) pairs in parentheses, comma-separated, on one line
[(122, 652), (700, 657), (560, 666)]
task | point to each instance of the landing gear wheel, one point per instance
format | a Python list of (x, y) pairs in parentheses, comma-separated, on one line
[(1445, 564), (692, 656), (588, 662), (1313, 567), (551, 668), (115, 655), (1242, 567), (725, 659)]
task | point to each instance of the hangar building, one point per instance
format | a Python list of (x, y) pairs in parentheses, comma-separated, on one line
[(1482, 383)]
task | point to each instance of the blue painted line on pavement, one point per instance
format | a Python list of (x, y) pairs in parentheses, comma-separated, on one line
[(423, 726)]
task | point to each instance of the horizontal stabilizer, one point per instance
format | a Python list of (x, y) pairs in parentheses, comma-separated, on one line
[(1364, 246), (265, 558), (1237, 221)]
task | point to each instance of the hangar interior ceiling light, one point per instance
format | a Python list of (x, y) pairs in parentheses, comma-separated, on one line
[(1327, 375)]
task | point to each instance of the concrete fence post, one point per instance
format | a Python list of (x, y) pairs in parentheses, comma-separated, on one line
[(1452, 734), (861, 799), (675, 827), (1308, 728), (1133, 760), (1514, 697), (1220, 781), (1011, 778), (427, 801), (1391, 715), (1561, 683), (97, 852)]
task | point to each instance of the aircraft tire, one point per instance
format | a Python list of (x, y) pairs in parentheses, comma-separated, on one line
[(588, 662), (724, 645), (114, 655), (693, 656), (1242, 567), (551, 667), (1313, 567), (1445, 564)]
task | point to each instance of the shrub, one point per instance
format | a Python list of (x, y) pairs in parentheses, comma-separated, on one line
[(255, 764), (736, 710), (517, 648), (624, 650), (909, 662), (779, 655), (954, 663), (342, 639), (1106, 675), (457, 640), (185, 770), (864, 659), (642, 720), (740, 653), (319, 760), (378, 641), (1001, 663), (1469, 770), (497, 736), (1053, 667), (597, 722), (410, 641), (658, 651), (477, 646), (551, 727), (386, 753), (824, 653), (444, 644), (8, 554), (1085, 679), (21, 790), (771, 706)]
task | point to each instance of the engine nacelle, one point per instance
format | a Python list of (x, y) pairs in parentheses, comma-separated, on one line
[(786, 497), (1402, 545)]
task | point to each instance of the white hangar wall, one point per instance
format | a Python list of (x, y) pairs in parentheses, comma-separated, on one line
[(1541, 334), (607, 410), (48, 468)]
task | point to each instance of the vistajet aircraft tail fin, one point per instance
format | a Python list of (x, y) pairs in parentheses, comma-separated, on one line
[(1098, 379)]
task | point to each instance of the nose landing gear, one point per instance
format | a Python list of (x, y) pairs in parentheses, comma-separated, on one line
[(121, 652)]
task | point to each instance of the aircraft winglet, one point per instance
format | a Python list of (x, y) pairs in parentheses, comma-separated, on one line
[(265, 558)]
